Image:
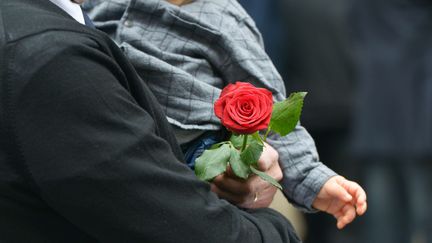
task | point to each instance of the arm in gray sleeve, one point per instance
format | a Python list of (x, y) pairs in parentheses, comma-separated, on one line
[(303, 173)]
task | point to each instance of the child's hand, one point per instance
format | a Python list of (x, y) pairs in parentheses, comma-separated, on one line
[(341, 198)]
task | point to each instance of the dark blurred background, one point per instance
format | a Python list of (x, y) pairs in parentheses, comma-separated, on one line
[(367, 65)]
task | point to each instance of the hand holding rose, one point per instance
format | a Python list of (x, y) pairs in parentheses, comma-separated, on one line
[(245, 110), (253, 192)]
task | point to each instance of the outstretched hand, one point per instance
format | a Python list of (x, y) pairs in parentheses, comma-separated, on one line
[(341, 198), (253, 192)]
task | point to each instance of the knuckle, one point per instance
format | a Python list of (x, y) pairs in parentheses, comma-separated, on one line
[(218, 180), (279, 175), (275, 156), (250, 187)]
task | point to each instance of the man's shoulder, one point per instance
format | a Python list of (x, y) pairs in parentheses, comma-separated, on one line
[(35, 35), (37, 30), (23, 19)]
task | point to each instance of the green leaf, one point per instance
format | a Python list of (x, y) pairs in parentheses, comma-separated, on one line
[(217, 145), (239, 168), (212, 162), (237, 140), (252, 152), (258, 138), (286, 114), (266, 177)]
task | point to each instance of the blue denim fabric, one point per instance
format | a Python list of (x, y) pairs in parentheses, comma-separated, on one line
[(88, 21), (197, 148)]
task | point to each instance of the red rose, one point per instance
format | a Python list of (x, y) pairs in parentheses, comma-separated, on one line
[(244, 108)]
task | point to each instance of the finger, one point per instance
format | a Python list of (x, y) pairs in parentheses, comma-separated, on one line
[(268, 157), (359, 195), (265, 198), (360, 202), (234, 198), (240, 186), (233, 185), (257, 185), (355, 190), (338, 190), (347, 215), (361, 208), (275, 172)]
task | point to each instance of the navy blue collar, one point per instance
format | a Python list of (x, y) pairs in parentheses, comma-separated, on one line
[(88, 21)]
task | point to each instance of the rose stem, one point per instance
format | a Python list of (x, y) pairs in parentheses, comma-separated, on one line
[(245, 138), (267, 133)]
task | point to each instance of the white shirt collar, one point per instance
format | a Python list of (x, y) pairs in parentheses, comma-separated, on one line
[(71, 8)]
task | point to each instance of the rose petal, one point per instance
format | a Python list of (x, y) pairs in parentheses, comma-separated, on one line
[(243, 108)]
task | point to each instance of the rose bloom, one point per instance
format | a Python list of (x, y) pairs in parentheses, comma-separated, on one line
[(244, 108)]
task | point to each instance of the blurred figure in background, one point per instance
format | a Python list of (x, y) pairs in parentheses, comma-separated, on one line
[(309, 42), (319, 60), (370, 86), (392, 129)]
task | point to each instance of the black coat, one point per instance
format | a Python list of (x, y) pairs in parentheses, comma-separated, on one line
[(86, 153)]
